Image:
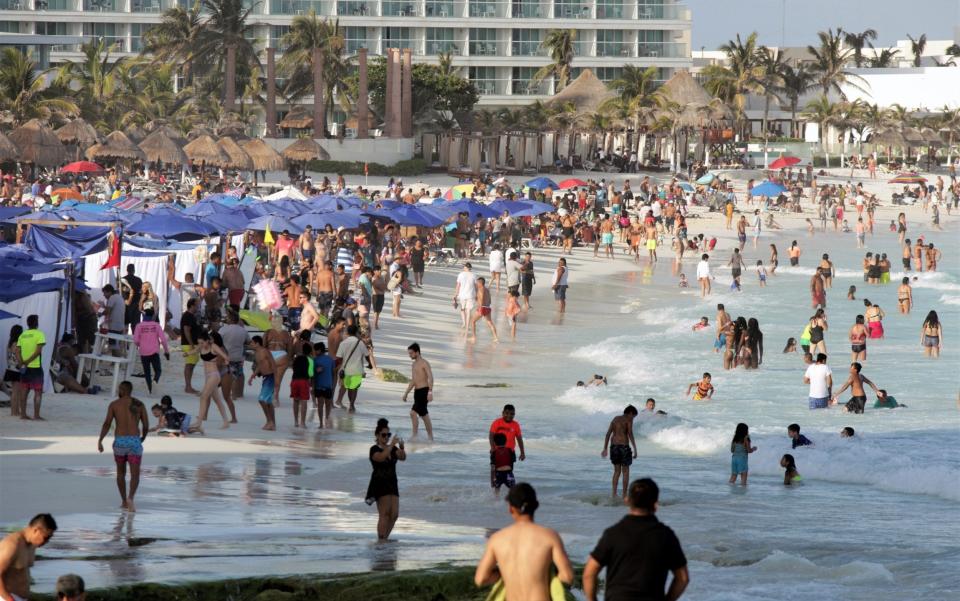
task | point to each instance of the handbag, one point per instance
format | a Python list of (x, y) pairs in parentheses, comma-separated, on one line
[(341, 374)]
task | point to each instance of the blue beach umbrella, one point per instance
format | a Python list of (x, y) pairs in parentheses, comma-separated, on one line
[(768, 189), (277, 224), (706, 179), (542, 183), (348, 219), (410, 215), (171, 226)]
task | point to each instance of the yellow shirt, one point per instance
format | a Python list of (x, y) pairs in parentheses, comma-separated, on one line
[(28, 343)]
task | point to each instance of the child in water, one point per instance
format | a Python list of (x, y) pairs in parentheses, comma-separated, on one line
[(885, 401), (852, 293), (704, 388), (791, 346), (790, 475), (703, 323), (740, 449), (512, 310), (762, 273), (502, 459), (683, 280)]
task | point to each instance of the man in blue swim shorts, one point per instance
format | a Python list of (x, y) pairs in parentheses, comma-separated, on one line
[(264, 366), (129, 415)]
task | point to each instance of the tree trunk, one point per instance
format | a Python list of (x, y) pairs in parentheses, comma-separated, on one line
[(766, 116)]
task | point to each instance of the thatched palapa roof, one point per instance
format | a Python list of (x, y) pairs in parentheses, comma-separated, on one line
[(297, 118), (238, 158), (135, 134), (8, 150), (38, 144), (160, 147), (931, 137), (199, 131), (682, 88), (586, 92), (913, 136), (889, 137), (169, 131), (303, 150), (78, 132), (263, 156), (205, 150), (117, 146)]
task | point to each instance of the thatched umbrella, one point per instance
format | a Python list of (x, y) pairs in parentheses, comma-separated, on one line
[(913, 136), (586, 92), (238, 158), (682, 88), (932, 138), (135, 134), (90, 152), (8, 150), (889, 137), (303, 150), (161, 148), (264, 157), (38, 144), (118, 146), (198, 132), (78, 132), (297, 118), (161, 125), (205, 150)]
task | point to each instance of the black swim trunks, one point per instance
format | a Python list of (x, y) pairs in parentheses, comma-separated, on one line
[(858, 348), (856, 404), (378, 303), (906, 263), (735, 272), (620, 454), (504, 479), (794, 261), (420, 401)]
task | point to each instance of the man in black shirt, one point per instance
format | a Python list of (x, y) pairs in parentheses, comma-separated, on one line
[(132, 286), (638, 551), (189, 328)]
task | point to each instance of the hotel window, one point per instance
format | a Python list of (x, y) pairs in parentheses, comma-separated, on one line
[(609, 9), (571, 9), (107, 31), (137, 31), (483, 42), (397, 37), (484, 78), (527, 9), (276, 36), (440, 39), (522, 81), (650, 43), (610, 43), (526, 42), (355, 38)]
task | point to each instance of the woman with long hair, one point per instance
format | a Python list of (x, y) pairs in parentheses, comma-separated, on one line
[(383, 489), (148, 300), (774, 259), (931, 335), (818, 329), (11, 378), (756, 343), (209, 353)]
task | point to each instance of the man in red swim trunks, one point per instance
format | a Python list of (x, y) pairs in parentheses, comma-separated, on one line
[(483, 311), (129, 414)]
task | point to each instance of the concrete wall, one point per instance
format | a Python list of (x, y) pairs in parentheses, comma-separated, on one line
[(386, 151), (925, 87)]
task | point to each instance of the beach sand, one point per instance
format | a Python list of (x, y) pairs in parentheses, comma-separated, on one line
[(243, 502)]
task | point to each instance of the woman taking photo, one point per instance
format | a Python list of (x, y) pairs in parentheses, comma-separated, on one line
[(383, 489)]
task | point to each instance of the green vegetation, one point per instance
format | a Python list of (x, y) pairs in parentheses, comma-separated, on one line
[(392, 375), (402, 168)]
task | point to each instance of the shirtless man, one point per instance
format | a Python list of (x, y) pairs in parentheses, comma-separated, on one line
[(933, 255), (858, 395), (265, 367), (620, 438), (818, 296), (567, 223), (722, 319), (324, 285), (742, 232), (129, 414), (17, 553), (918, 255), (484, 310), (308, 314), (606, 237), (306, 245), (334, 338), (524, 554), (421, 383)]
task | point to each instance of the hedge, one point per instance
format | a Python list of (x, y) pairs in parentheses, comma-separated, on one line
[(402, 168)]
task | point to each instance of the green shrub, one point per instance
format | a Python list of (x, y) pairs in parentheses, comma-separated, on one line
[(406, 168)]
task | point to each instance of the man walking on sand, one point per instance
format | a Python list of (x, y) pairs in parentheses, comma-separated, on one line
[(30, 349), (638, 552), (620, 438), (189, 328), (129, 414), (465, 294), (484, 311), (524, 554), (421, 383), (17, 553)]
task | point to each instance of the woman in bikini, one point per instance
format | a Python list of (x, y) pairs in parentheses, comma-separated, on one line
[(931, 335), (209, 353), (794, 253), (901, 227), (858, 340), (818, 328), (280, 344), (905, 296), (774, 259), (874, 315)]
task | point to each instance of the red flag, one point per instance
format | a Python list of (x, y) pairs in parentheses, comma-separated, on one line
[(114, 259)]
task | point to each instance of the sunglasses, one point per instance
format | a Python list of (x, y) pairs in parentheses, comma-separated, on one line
[(386, 434)]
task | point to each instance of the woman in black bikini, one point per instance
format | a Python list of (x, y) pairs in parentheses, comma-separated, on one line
[(209, 353), (383, 489)]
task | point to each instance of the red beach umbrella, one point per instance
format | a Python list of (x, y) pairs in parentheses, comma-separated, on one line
[(83, 167), (784, 162), (571, 183)]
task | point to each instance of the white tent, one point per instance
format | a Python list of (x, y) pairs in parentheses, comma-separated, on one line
[(287, 192)]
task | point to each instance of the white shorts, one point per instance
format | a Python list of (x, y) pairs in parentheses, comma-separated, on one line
[(467, 304)]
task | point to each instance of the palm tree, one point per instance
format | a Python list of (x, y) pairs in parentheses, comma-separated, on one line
[(917, 46), (307, 33), (559, 44), (953, 50), (486, 119), (23, 91), (859, 41), (830, 63), (848, 117), (950, 121), (228, 24), (771, 64), (884, 60), (634, 89), (96, 81), (445, 62), (742, 75), (824, 113), (796, 81), (176, 40)]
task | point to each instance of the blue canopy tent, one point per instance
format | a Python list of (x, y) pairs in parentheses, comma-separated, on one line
[(542, 183), (46, 298), (8, 315), (521, 208), (12, 212), (277, 224), (409, 215), (348, 219), (176, 227), (67, 244), (464, 205), (331, 202), (768, 189)]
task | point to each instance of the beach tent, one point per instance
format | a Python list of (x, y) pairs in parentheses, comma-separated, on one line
[(348, 219), (43, 298), (409, 215), (149, 266), (73, 243), (768, 189), (472, 207), (287, 192), (176, 227)]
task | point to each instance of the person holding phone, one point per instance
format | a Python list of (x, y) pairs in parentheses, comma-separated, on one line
[(383, 489)]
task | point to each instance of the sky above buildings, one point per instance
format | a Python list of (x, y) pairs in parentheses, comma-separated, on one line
[(716, 21)]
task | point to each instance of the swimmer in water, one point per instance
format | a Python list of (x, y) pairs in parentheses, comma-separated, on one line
[(847, 432), (791, 346), (790, 475), (651, 407), (852, 293), (703, 323), (597, 380), (885, 401), (683, 281), (704, 388)]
